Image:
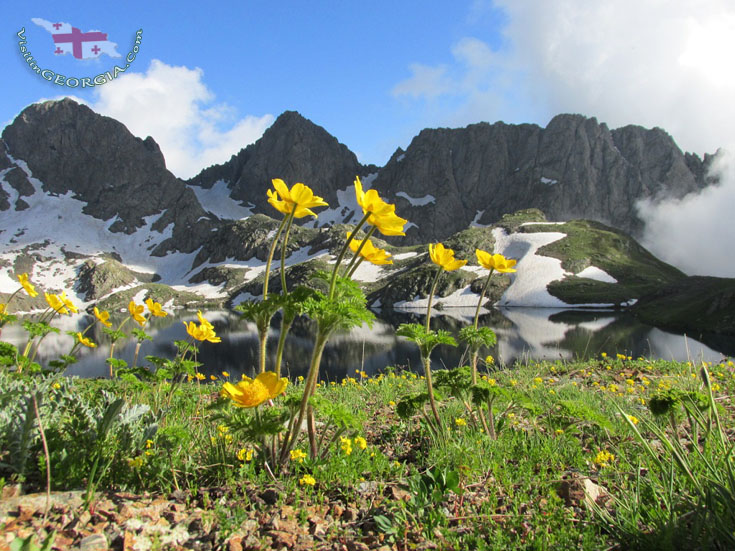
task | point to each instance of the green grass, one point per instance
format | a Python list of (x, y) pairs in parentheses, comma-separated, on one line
[(463, 490)]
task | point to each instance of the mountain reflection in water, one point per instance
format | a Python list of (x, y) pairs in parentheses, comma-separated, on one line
[(524, 334)]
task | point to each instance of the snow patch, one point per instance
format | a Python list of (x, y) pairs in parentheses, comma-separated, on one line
[(534, 272), (219, 202), (548, 181), (417, 201), (593, 272), (476, 220)]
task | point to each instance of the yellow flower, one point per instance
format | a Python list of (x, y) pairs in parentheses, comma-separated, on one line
[(3, 308), (103, 317), (149, 444), (200, 376), (360, 442), (391, 403), (444, 258), (225, 374), (559, 432), (299, 196), (382, 215), (245, 454), (68, 303), (85, 341), (202, 332), (345, 445), (136, 312), (370, 252), (460, 422), (495, 262), (604, 458), (307, 480), (55, 302), (249, 393), (633, 419), (213, 377), (155, 308), (27, 285), (298, 455), (203, 320)]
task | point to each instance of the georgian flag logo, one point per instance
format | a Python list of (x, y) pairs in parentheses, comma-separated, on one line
[(81, 45)]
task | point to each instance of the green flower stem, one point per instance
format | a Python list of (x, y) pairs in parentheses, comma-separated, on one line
[(482, 297), (262, 341), (357, 256), (431, 299), (311, 378), (271, 252), (332, 284), (475, 350), (112, 345), (427, 359), (351, 272), (283, 250), (286, 322)]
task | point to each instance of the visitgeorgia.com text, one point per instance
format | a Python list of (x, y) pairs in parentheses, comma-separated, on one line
[(73, 82)]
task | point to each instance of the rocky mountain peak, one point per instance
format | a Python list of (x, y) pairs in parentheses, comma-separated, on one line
[(294, 149), (576, 167), (70, 148)]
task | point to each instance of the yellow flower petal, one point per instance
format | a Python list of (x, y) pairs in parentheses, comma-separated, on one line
[(103, 317), (382, 215), (444, 257)]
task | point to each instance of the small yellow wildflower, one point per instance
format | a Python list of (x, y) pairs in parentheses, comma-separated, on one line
[(307, 480), (460, 422), (633, 419), (604, 458), (491, 382), (360, 442), (213, 377), (345, 445), (298, 455), (392, 403), (225, 374), (559, 432), (149, 444), (200, 376), (538, 380), (245, 454), (136, 463)]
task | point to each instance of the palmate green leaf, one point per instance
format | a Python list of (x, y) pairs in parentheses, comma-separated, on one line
[(64, 361), (411, 404), (347, 309), (38, 328), (455, 381), (252, 427), (483, 392), (8, 353), (476, 337), (426, 340), (260, 311), (141, 335), (336, 413), (114, 334)]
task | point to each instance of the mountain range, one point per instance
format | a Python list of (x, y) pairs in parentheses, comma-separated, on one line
[(86, 204)]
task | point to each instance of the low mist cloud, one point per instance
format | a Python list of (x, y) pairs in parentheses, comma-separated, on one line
[(696, 233)]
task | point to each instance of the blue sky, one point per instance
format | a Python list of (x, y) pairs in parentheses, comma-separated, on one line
[(210, 78)]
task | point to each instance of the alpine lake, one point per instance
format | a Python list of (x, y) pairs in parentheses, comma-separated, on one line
[(524, 335)]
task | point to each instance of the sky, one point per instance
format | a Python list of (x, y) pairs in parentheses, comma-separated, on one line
[(207, 80)]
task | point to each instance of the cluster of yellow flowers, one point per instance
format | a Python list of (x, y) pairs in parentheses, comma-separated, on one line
[(604, 458)]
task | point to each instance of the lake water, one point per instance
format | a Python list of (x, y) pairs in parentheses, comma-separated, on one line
[(524, 334)]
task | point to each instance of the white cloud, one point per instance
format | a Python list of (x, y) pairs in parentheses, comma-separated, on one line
[(647, 62), (175, 107), (696, 233)]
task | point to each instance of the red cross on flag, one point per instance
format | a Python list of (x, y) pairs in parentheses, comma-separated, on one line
[(81, 45)]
